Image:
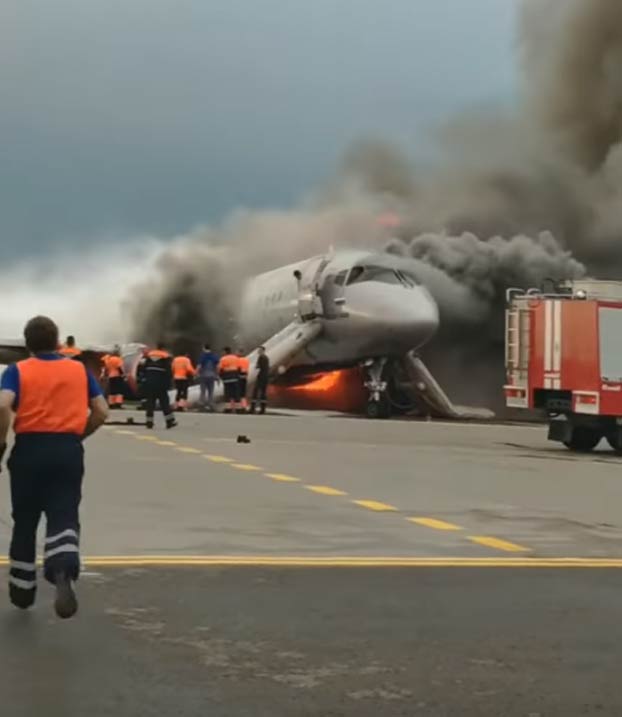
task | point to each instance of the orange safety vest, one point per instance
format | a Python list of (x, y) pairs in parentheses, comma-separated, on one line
[(243, 365), (53, 397), (113, 366), (182, 368), (70, 351), (158, 354), (228, 364)]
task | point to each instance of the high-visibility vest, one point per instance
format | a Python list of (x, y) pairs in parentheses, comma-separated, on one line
[(243, 365), (229, 363), (53, 397), (70, 351), (182, 368), (113, 366)]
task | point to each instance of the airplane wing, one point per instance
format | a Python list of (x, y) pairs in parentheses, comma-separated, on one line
[(12, 350), (281, 349)]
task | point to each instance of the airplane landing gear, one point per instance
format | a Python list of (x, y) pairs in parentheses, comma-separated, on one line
[(378, 405)]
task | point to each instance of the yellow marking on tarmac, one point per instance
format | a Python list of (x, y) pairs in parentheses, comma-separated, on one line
[(375, 505), (166, 443), (218, 459), (140, 437), (124, 433), (498, 544), (121, 561), (434, 523), (282, 477), (245, 467), (186, 449), (325, 490)]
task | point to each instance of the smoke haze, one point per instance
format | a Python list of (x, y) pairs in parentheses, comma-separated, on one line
[(510, 200)]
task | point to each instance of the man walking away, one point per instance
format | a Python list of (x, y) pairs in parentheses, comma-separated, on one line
[(183, 372), (260, 392), (229, 375), (69, 349), (207, 369), (158, 378), (56, 403), (243, 368), (113, 371)]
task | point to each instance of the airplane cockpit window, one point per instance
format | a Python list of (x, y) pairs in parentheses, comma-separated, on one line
[(340, 279), (373, 273)]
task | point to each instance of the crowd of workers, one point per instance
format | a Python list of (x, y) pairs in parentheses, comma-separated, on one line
[(54, 402), (159, 370)]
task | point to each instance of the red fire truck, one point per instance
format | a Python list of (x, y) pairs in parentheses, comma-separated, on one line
[(563, 356)]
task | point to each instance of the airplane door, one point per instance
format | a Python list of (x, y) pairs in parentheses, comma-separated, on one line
[(309, 303), (332, 295)]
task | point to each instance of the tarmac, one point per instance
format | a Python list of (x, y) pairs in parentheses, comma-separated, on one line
[(331, 566)]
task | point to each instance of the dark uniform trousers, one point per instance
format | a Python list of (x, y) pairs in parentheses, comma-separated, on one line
[(156, 392), (182, 385), (46, 477), (231, 385), (260, 393)]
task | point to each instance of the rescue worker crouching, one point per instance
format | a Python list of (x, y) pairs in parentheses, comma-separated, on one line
[(114, 373), (228, 370), (56, 404), (183, 373), (260, 390), (158, 375), (243, 369)]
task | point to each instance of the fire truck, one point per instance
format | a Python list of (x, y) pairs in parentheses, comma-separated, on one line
[(563, 357)]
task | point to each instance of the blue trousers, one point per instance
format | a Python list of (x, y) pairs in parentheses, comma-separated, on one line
[(46, 478)]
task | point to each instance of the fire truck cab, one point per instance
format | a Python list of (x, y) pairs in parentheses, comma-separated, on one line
[(563, 357)]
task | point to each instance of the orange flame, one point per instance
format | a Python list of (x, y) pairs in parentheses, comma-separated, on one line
[(341, 390)]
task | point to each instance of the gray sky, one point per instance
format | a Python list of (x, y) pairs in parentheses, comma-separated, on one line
[(128, 116)]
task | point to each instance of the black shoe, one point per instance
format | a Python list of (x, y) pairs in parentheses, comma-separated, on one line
[(23, 599), (149, 424), (66, 603), (171, 423)]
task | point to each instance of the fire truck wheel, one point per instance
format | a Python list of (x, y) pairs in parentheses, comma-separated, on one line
[(584, 439)]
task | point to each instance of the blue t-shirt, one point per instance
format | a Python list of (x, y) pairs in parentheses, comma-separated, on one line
[(208, 363), (10, 378)]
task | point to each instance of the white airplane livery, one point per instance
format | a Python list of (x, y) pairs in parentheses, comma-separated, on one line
[(337, 310)]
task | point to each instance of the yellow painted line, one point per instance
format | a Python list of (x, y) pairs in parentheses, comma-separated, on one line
[(375, 505), (341, 561), (434, 523), (186, 449), (245, 467), (324, 490), (124, 433), (498, 544), (140, 437), (282, 477), (166, 443), (218, 459)]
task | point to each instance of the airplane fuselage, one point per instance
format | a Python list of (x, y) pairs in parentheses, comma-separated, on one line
[(370, 305)]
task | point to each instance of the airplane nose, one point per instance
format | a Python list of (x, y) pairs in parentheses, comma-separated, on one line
[(417, 319)]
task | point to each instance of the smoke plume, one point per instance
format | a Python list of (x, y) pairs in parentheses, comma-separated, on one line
[(513, 199)]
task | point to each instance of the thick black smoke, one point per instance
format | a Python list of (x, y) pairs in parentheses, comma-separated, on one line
[(512, 201)]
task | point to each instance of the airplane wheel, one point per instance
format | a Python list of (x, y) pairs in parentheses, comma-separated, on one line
[(584, 439), (378, 409)]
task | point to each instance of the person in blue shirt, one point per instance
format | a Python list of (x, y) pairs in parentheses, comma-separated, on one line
[(207, 371), (54, 403)]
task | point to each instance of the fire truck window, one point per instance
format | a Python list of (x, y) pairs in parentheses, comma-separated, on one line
[(610, 321)]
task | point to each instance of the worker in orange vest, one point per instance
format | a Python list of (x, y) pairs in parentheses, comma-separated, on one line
[(243, 369), (155, 366), (70, 350), (56, 404), (114, 373), (183, 372), (228, 370)]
